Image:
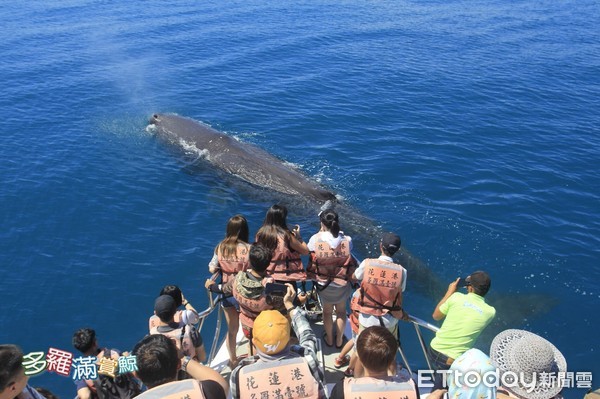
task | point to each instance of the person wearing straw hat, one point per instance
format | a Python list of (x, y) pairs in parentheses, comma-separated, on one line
[(530, 366), (279, 369)]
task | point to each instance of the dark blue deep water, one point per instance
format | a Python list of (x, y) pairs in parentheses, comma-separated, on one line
[(471, 128)]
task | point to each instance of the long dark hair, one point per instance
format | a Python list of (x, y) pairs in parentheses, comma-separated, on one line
[(273, 225), (236, 232), (329, 218)]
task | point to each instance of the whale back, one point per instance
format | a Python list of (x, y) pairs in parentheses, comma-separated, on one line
[(243, 160)]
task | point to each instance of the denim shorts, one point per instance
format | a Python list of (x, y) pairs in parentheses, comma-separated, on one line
[(229, 301), (441, 361)]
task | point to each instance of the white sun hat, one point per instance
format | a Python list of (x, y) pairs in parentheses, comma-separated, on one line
[(539, 362)]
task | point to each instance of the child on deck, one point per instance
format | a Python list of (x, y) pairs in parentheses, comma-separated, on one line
[(248, 287)]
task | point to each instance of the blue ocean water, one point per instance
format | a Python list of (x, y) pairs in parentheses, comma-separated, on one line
[(469, 128)]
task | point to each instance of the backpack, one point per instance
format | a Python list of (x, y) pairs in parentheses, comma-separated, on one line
[(123, 386)]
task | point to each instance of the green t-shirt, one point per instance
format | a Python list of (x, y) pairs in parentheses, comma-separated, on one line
[(466, 317)]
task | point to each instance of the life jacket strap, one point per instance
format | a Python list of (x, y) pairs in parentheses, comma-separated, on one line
[(378, 304)]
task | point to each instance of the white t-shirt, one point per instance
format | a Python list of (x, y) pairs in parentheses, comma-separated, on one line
[(333, 243), (329, 239), (368, 320)]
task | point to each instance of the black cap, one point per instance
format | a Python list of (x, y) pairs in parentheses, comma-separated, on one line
[(480, 281), (390, 243), (165, 307)]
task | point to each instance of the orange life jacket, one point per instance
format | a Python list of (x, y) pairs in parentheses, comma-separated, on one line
[(249, 308), (230, 267), (182, 338), (353, 318), (328, 264), (381, 288), (374, 388), (284, 378), (286, 264), (184, 389)]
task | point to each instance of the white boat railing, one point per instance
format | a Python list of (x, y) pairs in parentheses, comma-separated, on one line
[(213, 304), (418, 324)]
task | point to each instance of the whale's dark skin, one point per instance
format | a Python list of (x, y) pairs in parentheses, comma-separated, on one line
[(244, 160), (256, 166)]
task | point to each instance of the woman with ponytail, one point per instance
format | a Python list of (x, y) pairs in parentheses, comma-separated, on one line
[(331, 267)]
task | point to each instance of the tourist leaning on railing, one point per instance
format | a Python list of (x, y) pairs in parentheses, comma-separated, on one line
[(465, 318)]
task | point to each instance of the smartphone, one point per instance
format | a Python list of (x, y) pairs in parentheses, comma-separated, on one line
[(462, 282), (274, 293), (275, 289)]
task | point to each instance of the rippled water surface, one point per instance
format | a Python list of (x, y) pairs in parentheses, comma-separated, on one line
[(469, 128)]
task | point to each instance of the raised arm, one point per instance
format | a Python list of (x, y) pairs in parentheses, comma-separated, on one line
[(297, 243), (437, 313), (305, 334)]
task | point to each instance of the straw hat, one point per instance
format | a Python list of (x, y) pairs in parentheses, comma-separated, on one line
[(519, 351)]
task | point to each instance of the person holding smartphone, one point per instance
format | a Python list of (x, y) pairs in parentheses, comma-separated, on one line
[(286, 246), (248, 288), (466, 315), (280, 369)]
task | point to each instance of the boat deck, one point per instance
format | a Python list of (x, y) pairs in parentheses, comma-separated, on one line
[(326, 354), (218, 357)]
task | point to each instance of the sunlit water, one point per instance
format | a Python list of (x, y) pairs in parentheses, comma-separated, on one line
[(469, 128)]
